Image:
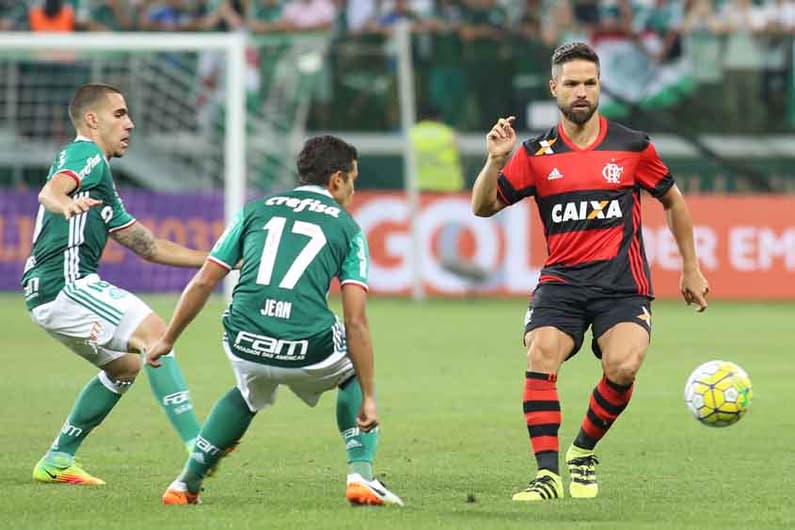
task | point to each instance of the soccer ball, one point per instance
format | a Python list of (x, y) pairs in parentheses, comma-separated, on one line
[(718, 393)]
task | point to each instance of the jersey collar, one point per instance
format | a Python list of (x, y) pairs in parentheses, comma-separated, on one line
[(593, 145), (314, 189), (81, 138)]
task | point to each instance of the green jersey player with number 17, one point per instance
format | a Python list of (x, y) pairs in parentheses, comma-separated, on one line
[(105, 325), (279, 329)]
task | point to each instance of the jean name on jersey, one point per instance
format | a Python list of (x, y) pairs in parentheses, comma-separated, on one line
[(271, 347), (276, 308), (299, 205), (586, 211)]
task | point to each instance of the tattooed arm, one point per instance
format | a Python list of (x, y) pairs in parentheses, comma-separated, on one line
[(140, 240)]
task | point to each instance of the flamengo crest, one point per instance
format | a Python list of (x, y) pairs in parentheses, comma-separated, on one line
[(612, 172)]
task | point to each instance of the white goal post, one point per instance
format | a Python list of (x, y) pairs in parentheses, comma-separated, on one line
[(233, 46)]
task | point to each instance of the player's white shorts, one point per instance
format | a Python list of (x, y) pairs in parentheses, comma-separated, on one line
[(93, 318), (258, 382)]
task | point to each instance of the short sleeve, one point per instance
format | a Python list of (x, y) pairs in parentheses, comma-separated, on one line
[(652, 174), (356, 265), (228, 250), (516, 180), (121, 218), (83, 162)]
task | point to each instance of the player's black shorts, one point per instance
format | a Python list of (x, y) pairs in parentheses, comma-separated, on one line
[(573, 309)]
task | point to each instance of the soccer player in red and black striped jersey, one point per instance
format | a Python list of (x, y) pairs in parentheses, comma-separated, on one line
[(587, 176)]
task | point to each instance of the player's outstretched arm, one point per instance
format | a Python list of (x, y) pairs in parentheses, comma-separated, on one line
[(55, 197), (360, 350), (190, 304), (693, 286), (500, 141), (140, 240)]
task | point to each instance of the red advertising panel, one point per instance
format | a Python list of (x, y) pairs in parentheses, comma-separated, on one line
[(746, 246)]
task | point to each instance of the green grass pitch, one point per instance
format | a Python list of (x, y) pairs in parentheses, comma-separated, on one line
[(453, 440)]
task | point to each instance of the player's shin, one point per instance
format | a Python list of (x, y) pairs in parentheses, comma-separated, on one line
[(168, 386), (608, 401), (93, 404), (360, 446), (541, 407), (227, 423)]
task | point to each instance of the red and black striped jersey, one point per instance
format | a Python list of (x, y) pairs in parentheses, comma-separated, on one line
[(589, 203)]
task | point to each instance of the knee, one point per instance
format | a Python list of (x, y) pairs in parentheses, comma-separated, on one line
[(543, 354), (123, 374), (121, 379), (623, 372)]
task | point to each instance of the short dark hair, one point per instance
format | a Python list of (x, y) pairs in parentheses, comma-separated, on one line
[(572, 51), (86, 97), (321, 157)]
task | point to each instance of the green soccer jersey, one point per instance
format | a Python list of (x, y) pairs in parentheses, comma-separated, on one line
[(64, 251), (292, 245)]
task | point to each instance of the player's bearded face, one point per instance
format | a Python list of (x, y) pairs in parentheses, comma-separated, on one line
[(579, 111), (576, 91)]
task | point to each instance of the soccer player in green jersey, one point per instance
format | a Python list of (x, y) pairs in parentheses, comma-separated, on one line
[(279, 330), (107, 326)]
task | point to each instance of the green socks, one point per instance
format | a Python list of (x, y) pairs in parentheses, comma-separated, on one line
[(227, 423), (172, 394), (360, 446), (93, 403)]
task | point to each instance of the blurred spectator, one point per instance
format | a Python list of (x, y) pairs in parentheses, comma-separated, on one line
[(438, 160), (265, 16), (52, 16), (391, 15), (223, 15), (359, 14), (626, 69), (439, 171), (446, 77), (47, 81), (562, 26), (169, 15), (780, 17), (701, 45), (529, 24), (659, 30), (743, 25), (111, 15), (309, 15), (531, 66), (586, 13), (484, 35), (13, 15)]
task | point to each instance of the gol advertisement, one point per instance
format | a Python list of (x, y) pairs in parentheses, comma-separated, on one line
[(746, 243)]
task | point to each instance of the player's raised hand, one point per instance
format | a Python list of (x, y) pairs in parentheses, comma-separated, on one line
[(79, 205), (156, 351), (694, 288), (367, 419), (501, 139)]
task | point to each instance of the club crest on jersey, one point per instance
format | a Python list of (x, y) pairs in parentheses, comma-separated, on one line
[(612, 172), (546, 147), (585, 211)]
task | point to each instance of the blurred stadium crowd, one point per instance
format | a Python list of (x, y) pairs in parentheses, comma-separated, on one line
[(657, 55)]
